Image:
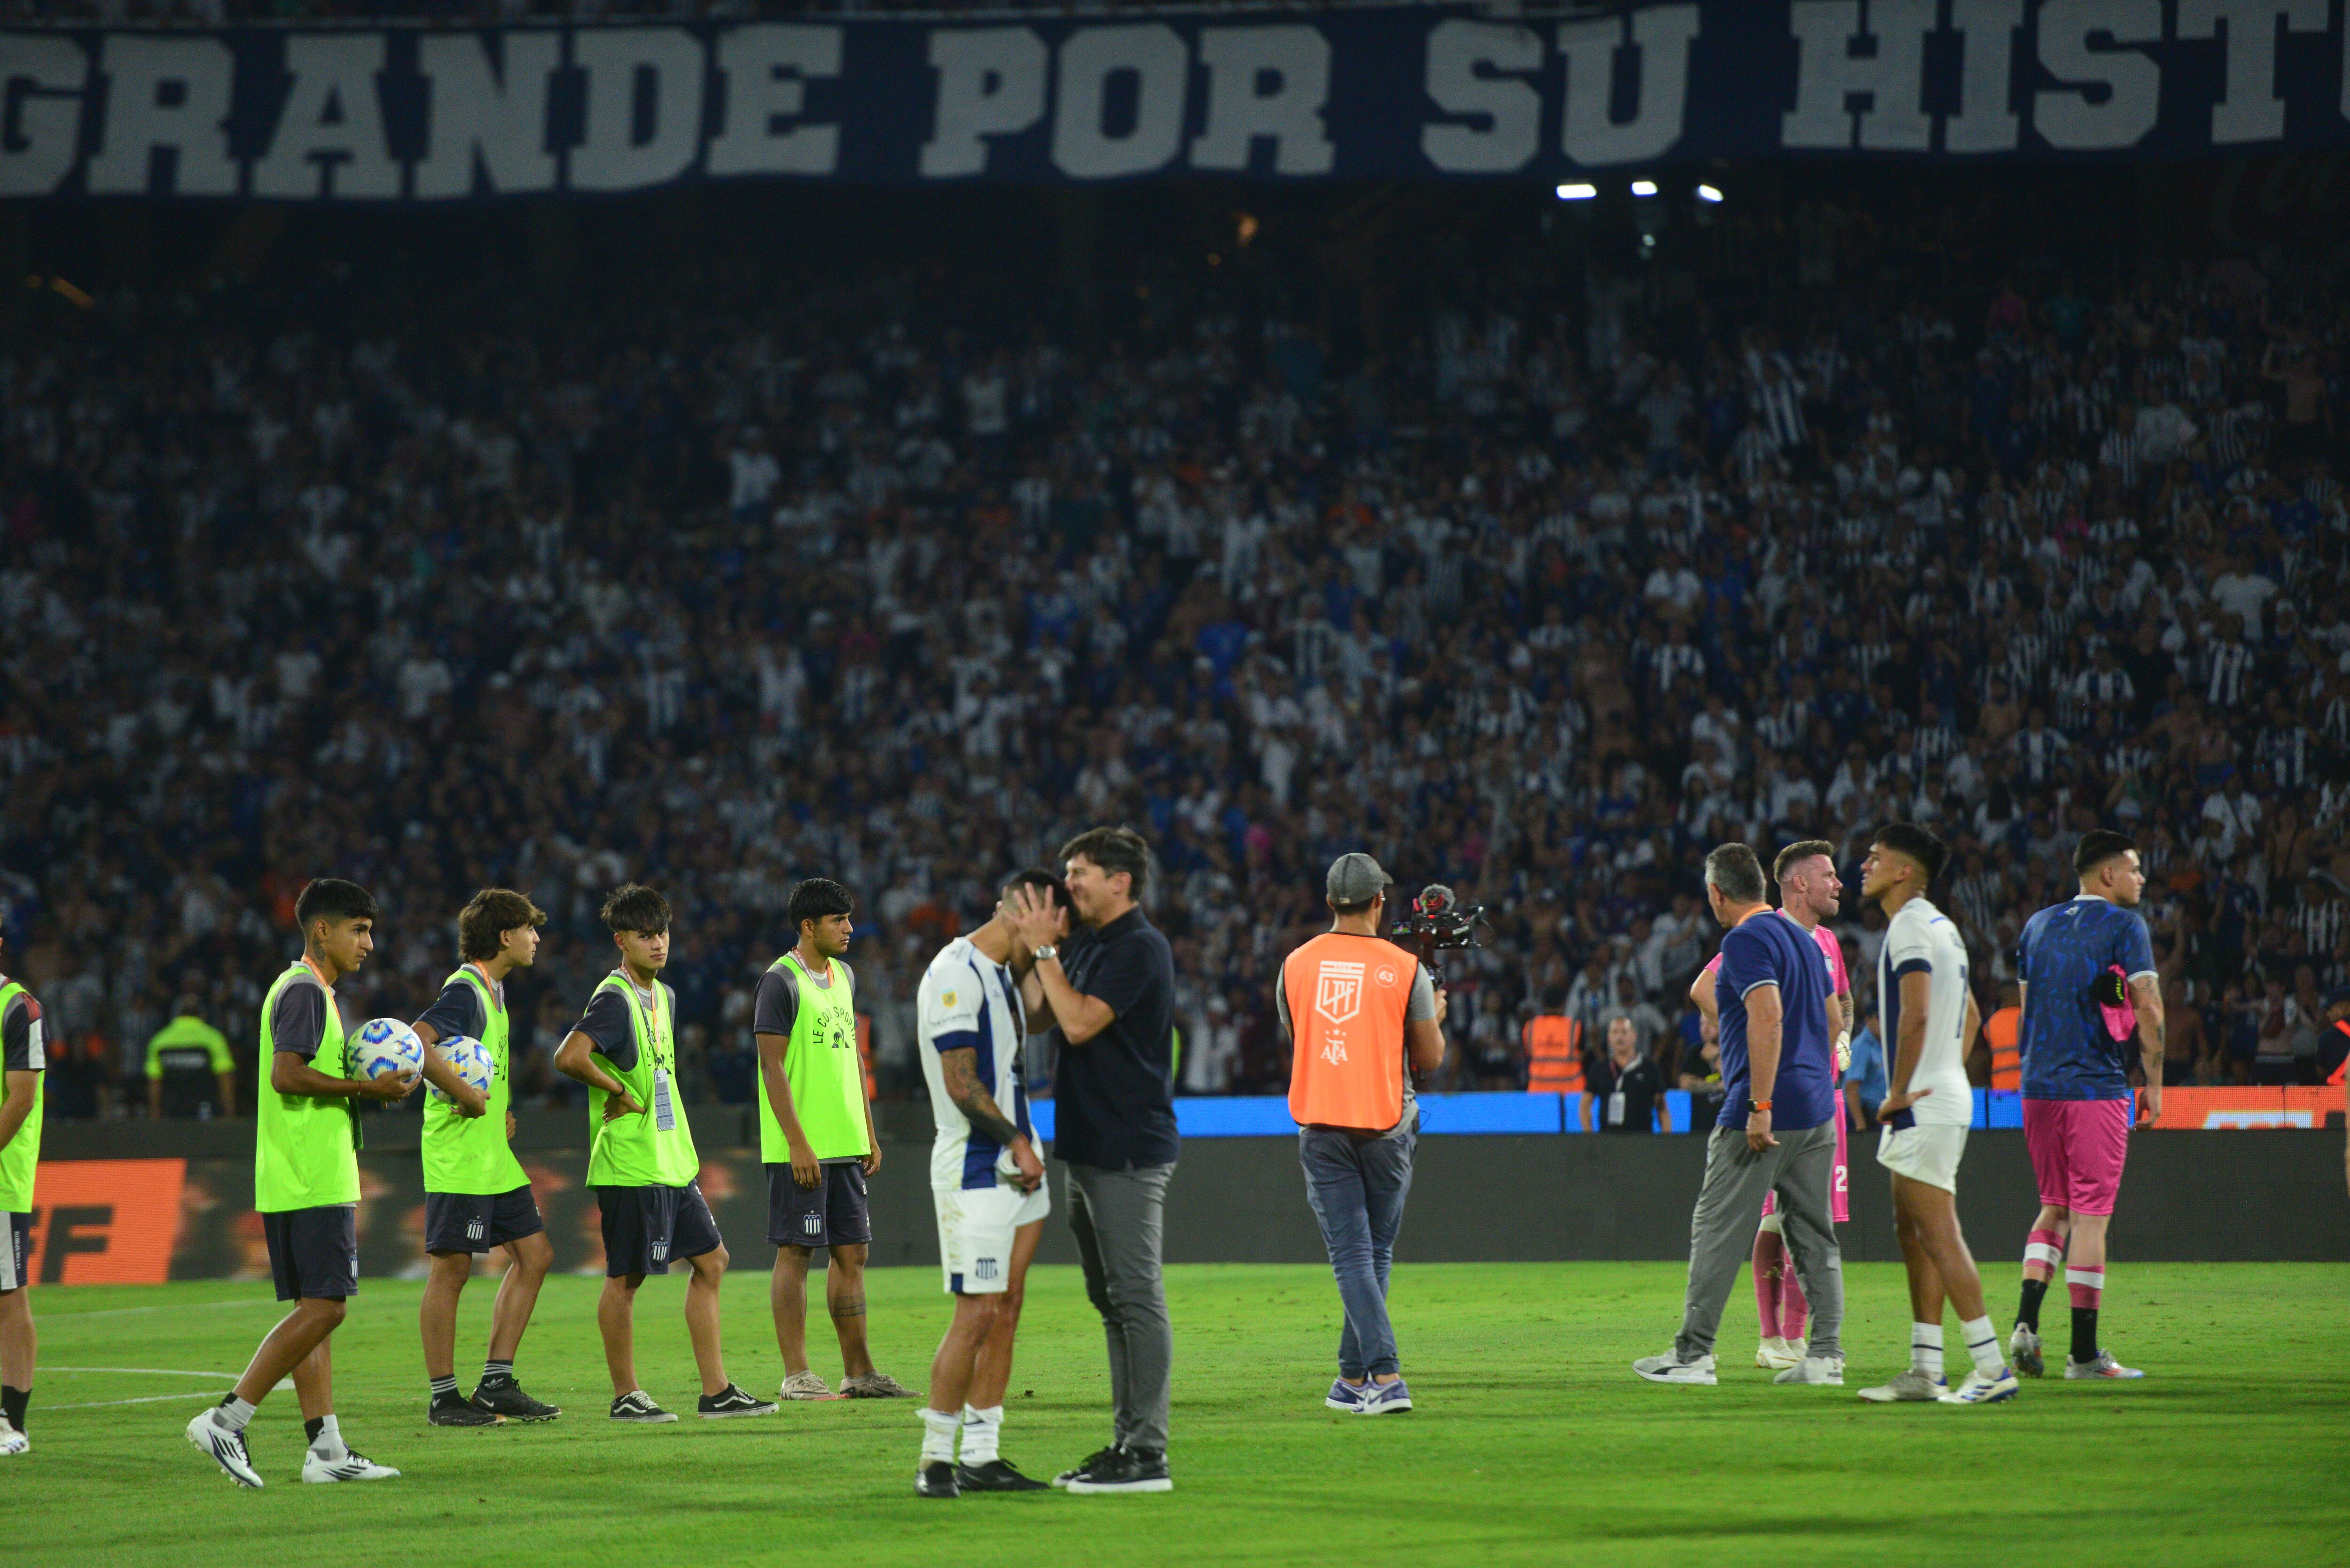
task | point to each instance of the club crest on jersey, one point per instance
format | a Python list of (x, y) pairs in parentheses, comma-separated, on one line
[(1338, 990)]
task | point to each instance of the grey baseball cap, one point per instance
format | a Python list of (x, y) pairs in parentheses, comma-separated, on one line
[(1356, 878)]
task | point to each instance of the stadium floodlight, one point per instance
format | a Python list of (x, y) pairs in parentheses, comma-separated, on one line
[(1707, 194), (1644, 187), (1578, 193)]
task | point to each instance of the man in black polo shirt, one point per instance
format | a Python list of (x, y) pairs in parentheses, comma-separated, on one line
[(1112, 1003)]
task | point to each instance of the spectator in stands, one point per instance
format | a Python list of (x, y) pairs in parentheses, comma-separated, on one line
[(2001, 1042), (1865, 1080)]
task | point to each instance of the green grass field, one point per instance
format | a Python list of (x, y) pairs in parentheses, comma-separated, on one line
[(1532, 1441)]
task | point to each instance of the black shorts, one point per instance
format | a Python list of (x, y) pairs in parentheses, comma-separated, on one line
[(16, 1253), (479, 1221), (832, 1213), (314, 1252), (645, 1227)]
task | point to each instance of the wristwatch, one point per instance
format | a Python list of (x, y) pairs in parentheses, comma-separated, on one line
[(1047, 951)]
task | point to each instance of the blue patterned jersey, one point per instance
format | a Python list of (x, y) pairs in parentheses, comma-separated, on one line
[(2068, 1052)]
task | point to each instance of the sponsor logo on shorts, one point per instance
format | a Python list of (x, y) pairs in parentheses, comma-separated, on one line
[(982, 1269)]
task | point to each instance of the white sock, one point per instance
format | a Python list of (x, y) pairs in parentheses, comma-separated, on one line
[(232, 1413), (939, 1428), (329, 1443), (982, 1431), (1926, 1348), (1983, 1344)]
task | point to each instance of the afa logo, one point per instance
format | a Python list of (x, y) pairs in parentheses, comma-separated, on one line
[(1338, 990), (982, 1269)]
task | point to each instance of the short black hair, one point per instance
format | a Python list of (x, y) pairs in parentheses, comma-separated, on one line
[(1919, 843), (2098, 846), (483, 924), (815, 897), (1737, 871), (1802, 849), (333, 901), (1114, 849), (1055, 887), (635, 908)]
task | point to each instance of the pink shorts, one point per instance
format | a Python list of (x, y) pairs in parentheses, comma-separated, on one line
[(1839, 1179), (2077, 1148)]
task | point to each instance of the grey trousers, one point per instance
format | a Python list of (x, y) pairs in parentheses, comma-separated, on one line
[(1117, 1217), (1721, 1231)]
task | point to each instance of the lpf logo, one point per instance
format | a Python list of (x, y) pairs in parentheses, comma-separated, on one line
[(1338, 990)]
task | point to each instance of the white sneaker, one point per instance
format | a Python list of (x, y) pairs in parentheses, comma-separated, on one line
[(1908, 1385), (225, 1448), (353, 1465), (1826, 1369), (2105, 1365), (804, 1384), (1775, 1354), (1979, 1389), (1670, 1368), (2024, 1353), (12, 1441)]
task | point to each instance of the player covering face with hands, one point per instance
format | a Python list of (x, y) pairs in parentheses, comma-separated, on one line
[(987, 1178)]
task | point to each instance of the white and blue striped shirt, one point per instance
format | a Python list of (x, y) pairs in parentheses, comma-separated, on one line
[(969, 1002)]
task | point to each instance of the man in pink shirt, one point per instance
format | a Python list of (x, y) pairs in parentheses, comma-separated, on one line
[(1809, 891)]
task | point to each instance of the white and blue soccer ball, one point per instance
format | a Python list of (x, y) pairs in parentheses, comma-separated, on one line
[(385, 1046), (471, 1059)]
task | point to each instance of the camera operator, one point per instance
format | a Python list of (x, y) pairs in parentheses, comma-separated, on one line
[(1357, 1007), (1624, 1086)]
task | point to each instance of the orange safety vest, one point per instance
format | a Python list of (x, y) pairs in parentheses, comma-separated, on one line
[(1553, 1055), (1347, 996), (2342, 1073), (2003, 1032)]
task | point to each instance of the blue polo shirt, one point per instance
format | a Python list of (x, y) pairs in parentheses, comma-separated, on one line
[(1766, 951)]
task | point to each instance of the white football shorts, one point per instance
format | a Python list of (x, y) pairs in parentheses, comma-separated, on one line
[(976, 1226), (1928, 1152)]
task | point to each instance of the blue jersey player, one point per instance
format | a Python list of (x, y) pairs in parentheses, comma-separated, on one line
[(2085, 970)]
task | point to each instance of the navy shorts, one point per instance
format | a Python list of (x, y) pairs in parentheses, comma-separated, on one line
[(479, 1221), (314, 1252), (645, 1227), (832, 1213), (16, 1253)]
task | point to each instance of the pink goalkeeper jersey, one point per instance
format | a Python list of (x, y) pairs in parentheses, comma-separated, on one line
[(1831, 948)]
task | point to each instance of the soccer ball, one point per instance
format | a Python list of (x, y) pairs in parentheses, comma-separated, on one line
[(470, 1057), (385, 1046)]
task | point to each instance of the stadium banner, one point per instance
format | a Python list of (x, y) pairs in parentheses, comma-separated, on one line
[(2243, 1109), (412, 113), (105, 1221)]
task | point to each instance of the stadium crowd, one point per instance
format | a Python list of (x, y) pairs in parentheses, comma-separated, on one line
[(722, 585)]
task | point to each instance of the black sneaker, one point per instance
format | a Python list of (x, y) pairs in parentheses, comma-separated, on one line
[(506, 1397), (1129, 1469), (936, 1478), (732, 1401), (995, 1475), (456, 1410), (1092, 1461), (638, 1406)]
